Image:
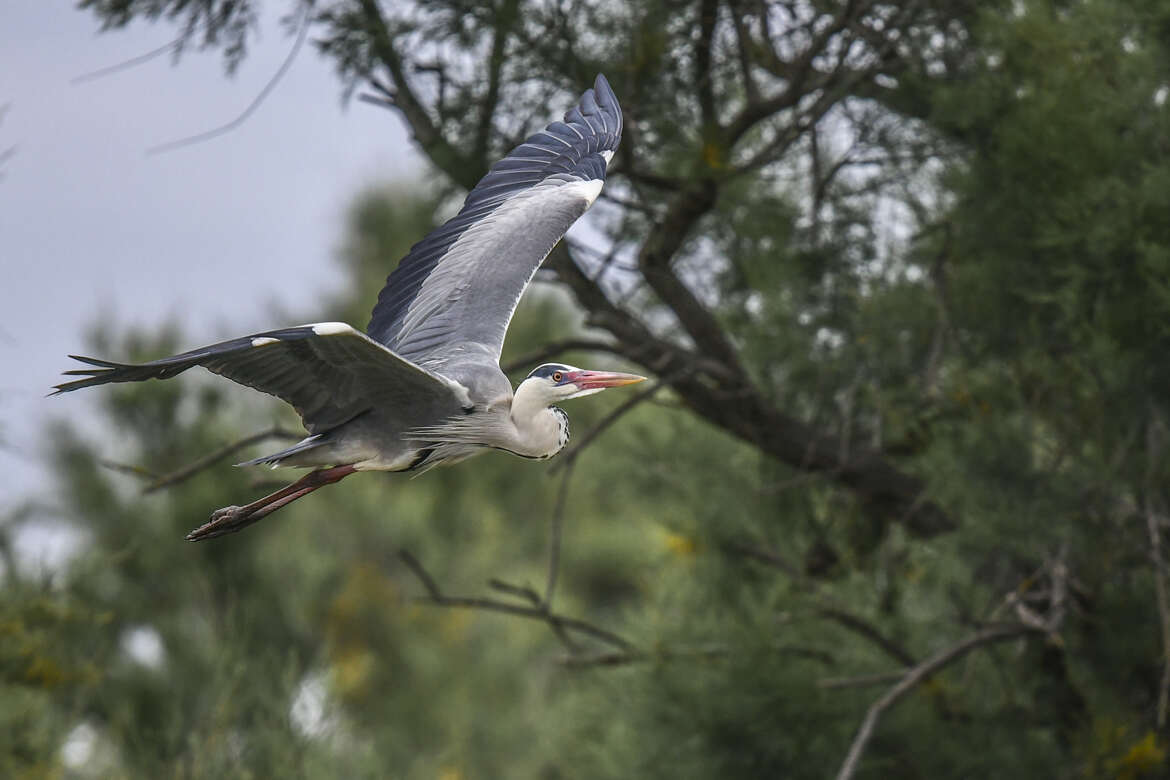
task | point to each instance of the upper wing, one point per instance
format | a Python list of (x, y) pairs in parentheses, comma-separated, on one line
[(458, 287), (329, 372)]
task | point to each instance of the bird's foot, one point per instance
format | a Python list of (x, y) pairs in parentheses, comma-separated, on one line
[(223, 521), (236, 518)]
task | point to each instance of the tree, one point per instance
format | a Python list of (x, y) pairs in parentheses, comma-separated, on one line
[(903, 266)]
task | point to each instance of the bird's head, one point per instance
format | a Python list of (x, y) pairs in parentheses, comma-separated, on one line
[(554, 382)]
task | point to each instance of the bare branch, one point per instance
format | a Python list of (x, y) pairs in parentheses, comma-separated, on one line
[(127, 468), (193, 468), (557, 622), (861, 681), (767, 557), (744, 54), (796, 73), (864, 628), (704, 83), (520, 591), (554, 540), (670, 654), (837, 614), (654, 258), (503, 19), (566, 461), (436, 146), (183, 473), (1153, 454), (649, 178), (302, 34), (93, 75), (915, 676)]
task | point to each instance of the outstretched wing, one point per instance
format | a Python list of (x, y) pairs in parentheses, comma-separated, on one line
[(329, 372), (456, 290)]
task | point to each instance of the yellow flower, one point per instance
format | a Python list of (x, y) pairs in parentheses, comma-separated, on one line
[(682, 546), (1143, 757)]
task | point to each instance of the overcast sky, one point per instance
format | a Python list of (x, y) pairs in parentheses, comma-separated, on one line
[(90, 224)]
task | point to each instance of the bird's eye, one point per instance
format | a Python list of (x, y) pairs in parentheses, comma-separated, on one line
[(557, 376)]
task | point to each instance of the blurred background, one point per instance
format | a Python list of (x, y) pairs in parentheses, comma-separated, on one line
[(894, 505)]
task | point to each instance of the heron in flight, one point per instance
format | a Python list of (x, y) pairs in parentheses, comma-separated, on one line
[(423, 386)]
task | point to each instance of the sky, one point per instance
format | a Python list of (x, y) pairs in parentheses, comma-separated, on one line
[(217, 235)]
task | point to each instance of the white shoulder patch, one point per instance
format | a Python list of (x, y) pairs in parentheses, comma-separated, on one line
[(588, 190), (461, 393), (264, 341), (331, 328), (607, 155)]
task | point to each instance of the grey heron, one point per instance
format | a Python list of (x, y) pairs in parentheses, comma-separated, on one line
[(423, 385)]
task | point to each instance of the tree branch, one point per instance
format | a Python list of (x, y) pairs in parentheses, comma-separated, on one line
[(302, 33), (861, 681), (866, 629), (623, 658), (567, 460), (183, 473), (554, 540), (557, 622), (704, 83), (1153, 455), (655, 257), (915, 676), (438, 149), (503, 20)]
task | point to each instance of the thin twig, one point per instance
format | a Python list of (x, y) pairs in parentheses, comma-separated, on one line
[(861, 681), (767, 557), (573, 452), (864, 628), (183, 473), (130, 63), (186, 472), (519, 591), (302, 34), (128, 468), (554, 541), (436, 596), (624, 658), (1153, 452), (915, 676)]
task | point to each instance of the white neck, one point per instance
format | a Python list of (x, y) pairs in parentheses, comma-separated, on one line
[(541, 431)]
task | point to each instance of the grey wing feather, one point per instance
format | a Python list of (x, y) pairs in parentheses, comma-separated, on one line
[(453, 295), (329, 372)]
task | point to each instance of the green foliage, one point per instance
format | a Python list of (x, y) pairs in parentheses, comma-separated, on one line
[(214, 24)]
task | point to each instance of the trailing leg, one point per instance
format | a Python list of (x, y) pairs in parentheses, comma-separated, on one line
[(231, 519)]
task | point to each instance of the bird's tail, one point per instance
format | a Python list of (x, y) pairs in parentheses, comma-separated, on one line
[(291, 454)]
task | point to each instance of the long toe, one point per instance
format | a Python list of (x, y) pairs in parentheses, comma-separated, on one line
[(223, 521)]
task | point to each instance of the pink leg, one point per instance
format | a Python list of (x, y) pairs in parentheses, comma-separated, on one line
[(231, 519)]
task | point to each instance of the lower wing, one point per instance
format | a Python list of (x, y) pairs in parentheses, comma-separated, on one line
[(328, 371)]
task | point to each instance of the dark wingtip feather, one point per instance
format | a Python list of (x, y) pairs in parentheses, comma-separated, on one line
[(607, 100), (69, 387), (95, 361)]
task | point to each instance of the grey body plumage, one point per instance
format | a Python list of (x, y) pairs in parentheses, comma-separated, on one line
[(424, 386)]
